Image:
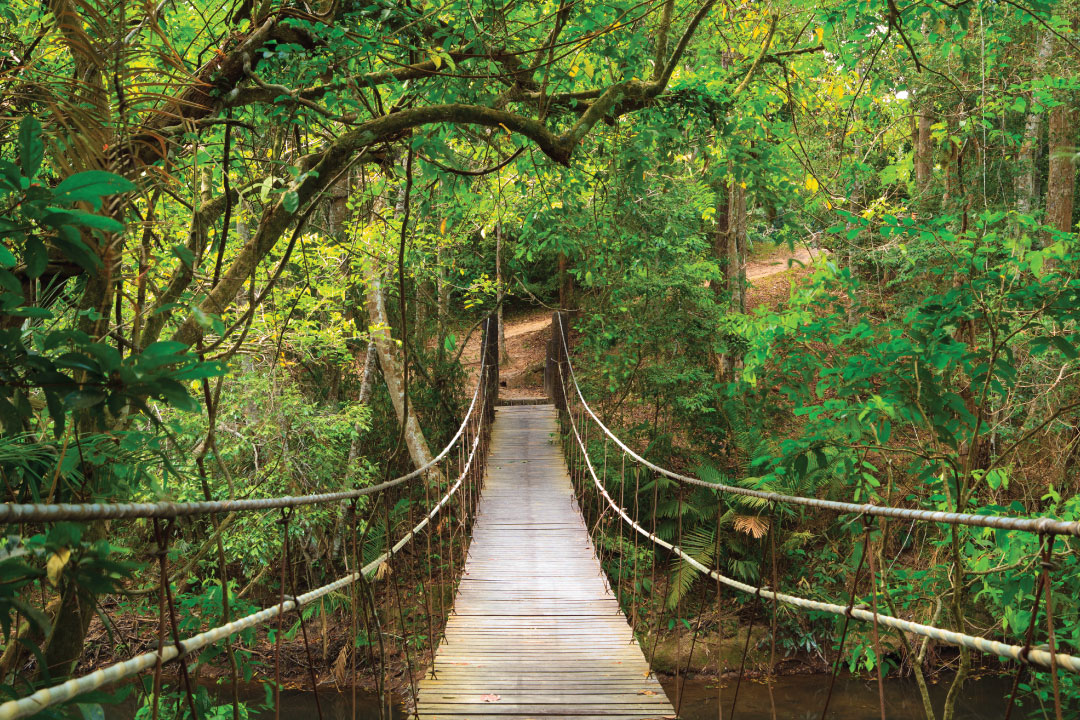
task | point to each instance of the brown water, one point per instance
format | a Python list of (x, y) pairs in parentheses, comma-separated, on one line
[(802, 697), (798, 697)]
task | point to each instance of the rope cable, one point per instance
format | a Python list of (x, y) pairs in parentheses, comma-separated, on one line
[(34, 512), (1036, 525), (50, 696), (1035, 656)]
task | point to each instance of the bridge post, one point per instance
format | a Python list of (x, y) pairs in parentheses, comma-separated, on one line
[(556, 358), (489, 350)]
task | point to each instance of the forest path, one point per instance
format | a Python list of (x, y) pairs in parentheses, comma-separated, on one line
[(527, 334), (769, 272), (774, 263)]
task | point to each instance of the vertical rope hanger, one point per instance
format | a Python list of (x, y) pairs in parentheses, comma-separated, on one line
[(284, 522), (303, 628), (878, 657), (678, 600), (750, 626), (844, 629), (1048, 565)]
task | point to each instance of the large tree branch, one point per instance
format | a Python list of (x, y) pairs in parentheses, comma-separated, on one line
[(761, 54), (206, 93), (238, 97), (624, 97), (320, 169), (684, 41), (662, 39), (198, 234)]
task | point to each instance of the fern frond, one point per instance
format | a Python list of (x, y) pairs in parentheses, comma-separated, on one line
[(699, 544)]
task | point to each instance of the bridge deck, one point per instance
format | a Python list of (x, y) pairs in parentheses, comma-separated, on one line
[(536, 630)]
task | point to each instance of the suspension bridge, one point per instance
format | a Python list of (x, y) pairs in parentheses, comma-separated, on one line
[(535, 629)]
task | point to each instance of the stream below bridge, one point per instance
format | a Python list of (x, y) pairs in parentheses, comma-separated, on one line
[(797, 697)]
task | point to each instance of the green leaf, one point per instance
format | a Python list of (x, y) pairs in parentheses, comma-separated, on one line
[(185, 254), (91, 712), (6, 258), (174, 393), (291, 201), (82, 399), (1067, 348), (58, 217), (31, 147), (209, 369), (801, 464), (90, 186), (10, 175), (31, 312), (73, 248), (37, 257), (162, 348)]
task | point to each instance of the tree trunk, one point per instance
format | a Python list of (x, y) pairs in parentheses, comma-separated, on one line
[(442, 292), (951, 162), (729, 249), (72, 620), (393, 373), (737, 247), (367, 378), (923, 149), (1025, 159), (366, 384), (720, 237), (730, 242), (1061, 179), (504, 354)]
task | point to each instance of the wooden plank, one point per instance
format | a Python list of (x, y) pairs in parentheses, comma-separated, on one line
[(535, 630)]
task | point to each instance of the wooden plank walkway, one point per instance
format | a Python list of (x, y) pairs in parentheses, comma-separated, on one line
[(536, 631)]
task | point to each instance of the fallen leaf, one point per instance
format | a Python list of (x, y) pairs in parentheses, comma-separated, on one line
[(340, 666), (646, 692), (490, 698)]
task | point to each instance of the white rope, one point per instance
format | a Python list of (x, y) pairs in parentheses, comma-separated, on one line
[(33, 512), (1036, 525), (47, 697), (1014, 652)]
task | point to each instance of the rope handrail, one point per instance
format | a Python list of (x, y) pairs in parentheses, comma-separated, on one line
[(1015, 652), (1043, 525), (47, 697), (52, 512)]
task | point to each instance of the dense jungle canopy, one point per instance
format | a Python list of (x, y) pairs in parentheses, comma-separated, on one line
[(246, 246)]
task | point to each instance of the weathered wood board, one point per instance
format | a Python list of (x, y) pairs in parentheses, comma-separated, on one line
[(536, 631)]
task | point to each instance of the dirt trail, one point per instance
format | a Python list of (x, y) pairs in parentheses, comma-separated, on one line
[(527, 333), (780, 263), (526, 344)]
